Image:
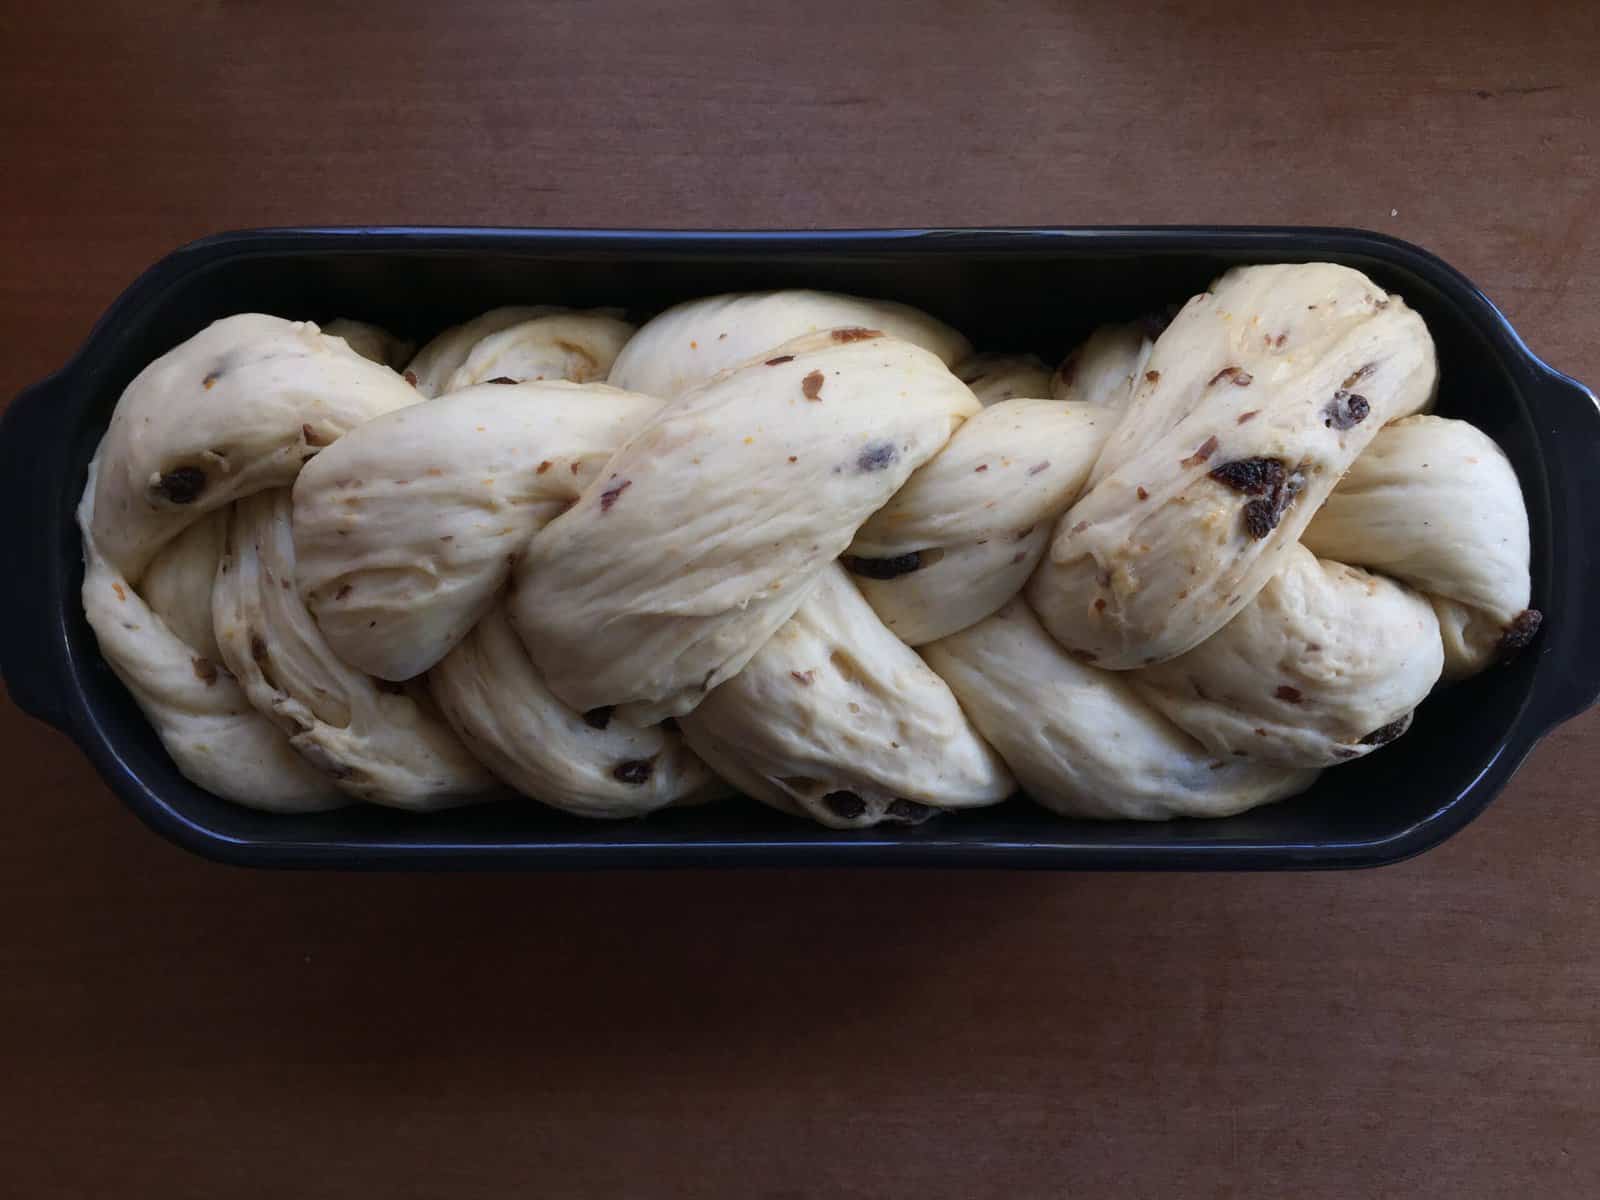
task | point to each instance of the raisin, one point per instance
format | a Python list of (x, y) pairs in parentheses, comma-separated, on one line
[(883, 568), (1346, 410), (782, 358), (1252, 476), (1238, 376), (1520, 631), (847, 806), (182, 485), (1260, 518), (1291, 694), (204, 670), (876, 455), (635, 771), (811, 385), (1266, 478), (853, 334), (609, 496)]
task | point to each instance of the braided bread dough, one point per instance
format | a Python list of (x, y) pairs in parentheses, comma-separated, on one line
[(687, 554), (585, 763), (1319, 668), (213, 733), (253, 702), (437, 362), (1080, 739), (405, 530), (579, 347), (236, 408), (872, 575), (692, 342), (836, 719), (382, 744), (965, 532), (1242, 424), (1435, 503)]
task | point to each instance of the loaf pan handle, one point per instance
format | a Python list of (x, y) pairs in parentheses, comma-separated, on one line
[(1570, 420), (30, 456)]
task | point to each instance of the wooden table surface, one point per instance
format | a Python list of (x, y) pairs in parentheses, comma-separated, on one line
[(169, 1027)]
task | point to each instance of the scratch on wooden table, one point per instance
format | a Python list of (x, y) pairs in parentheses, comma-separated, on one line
[(1488, 94)]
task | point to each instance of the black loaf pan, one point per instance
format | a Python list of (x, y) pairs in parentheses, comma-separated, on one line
[(1008, 289)]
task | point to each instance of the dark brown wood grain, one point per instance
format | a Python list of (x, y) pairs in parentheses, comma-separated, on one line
[(173, 1028)]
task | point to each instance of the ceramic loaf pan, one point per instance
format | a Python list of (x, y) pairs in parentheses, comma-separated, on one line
[(1007, 289)]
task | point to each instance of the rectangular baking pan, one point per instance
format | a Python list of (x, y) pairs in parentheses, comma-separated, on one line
[(1008, 289)]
